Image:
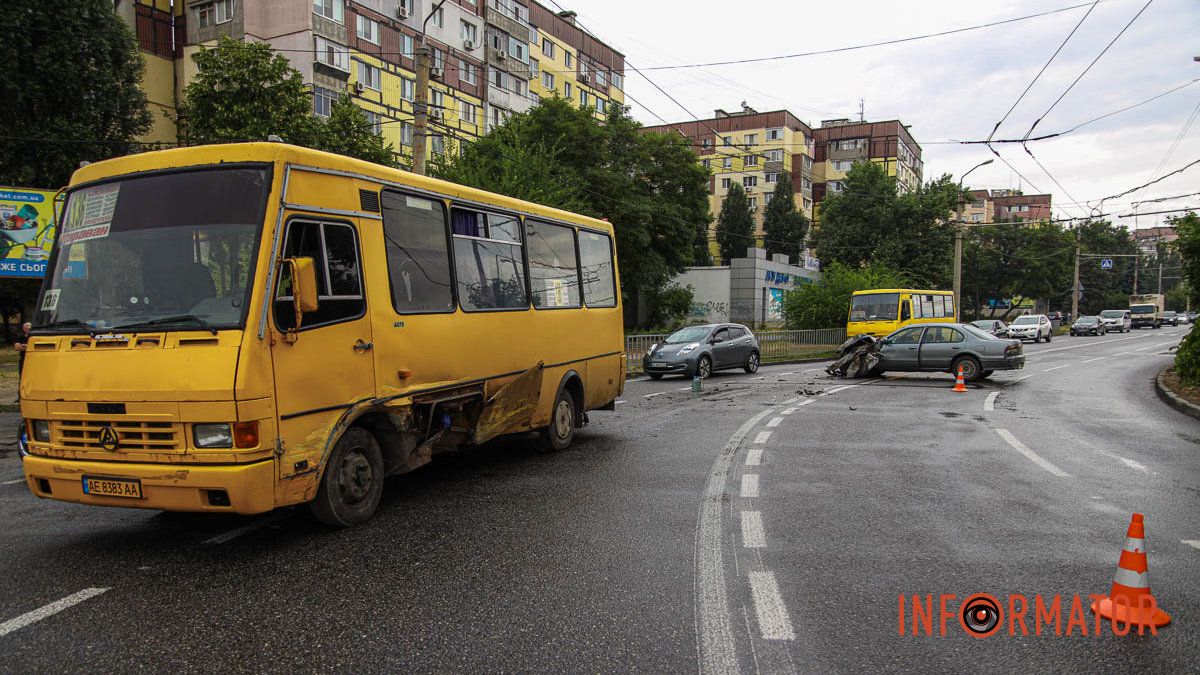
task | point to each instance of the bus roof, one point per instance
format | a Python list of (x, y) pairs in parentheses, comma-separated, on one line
[(286, 154), (901, 290)]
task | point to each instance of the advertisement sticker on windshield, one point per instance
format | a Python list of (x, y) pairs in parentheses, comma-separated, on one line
[(50, 302), (91, 217)]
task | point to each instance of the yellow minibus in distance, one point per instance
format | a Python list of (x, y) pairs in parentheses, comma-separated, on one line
[(881, 311), (237, 328)]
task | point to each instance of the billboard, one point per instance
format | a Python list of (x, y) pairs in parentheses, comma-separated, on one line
[(27, 230)]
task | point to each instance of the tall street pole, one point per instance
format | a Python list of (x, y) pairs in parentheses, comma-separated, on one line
[(424, 58), (1075, 283), (958, 241)]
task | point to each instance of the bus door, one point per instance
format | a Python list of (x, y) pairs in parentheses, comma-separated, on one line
[(330, 364)]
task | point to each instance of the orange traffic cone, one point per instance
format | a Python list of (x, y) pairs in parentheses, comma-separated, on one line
[(960, 385), (1130, 601)]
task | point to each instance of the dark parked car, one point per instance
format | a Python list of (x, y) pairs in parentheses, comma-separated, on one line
[(943, 347), (994, 326), (1170, 318), (1089, 325), (700, 350)]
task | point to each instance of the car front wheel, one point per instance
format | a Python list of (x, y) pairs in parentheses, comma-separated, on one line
[(752, 363), (704, 367)]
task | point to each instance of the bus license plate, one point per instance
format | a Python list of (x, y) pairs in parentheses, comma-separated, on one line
[(113, 487)]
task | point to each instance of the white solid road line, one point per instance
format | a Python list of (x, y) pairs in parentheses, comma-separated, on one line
[(1169, 342), (620, 402), (989, 404), (657, 393), (790, 372), (773, 621), (1133, 465), (49, 610), (1088, 344), (1142, 349), (789, 411), (804, 402), (1065, 365), (1031, 455), (749, 485), (13, 482), (831, 392), (715, 643), (762, 437), (754, 456), (753, 534), (774, 422), (256, 525), (1194, 543)]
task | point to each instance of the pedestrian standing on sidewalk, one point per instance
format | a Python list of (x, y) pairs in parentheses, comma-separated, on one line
[(20, 347)]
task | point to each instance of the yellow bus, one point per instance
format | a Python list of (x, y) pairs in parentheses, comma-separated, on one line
[(881, 311), (242, 327)]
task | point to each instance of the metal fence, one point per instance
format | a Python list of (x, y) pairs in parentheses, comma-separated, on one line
[(774, 345)]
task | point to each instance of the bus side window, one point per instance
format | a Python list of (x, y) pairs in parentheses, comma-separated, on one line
[(488, 261), (596, 262), (418, 256), (905, 314), (553, 264), (334, 250)]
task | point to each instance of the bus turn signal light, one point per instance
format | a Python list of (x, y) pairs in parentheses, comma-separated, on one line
[(245, 434)]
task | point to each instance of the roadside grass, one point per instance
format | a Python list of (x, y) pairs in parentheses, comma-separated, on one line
[(8, 356), (1190, 394)]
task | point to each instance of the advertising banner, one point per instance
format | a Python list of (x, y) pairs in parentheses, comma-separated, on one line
[(27, 231)]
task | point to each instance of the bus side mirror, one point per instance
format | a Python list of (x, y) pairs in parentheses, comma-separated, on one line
[(304, 286)]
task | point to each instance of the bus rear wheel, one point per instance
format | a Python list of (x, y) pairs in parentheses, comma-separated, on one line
[(561, 432), (353, 481)]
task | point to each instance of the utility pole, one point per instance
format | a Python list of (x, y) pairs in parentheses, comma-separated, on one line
[(1075, 283), (1159, 255), (424, 58), (958, 241)]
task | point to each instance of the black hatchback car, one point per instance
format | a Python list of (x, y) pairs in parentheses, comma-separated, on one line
[(700, 350)]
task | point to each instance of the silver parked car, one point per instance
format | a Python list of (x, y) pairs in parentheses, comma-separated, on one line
[(944, 347), (700, 350), (994, 326), (1117, 320)]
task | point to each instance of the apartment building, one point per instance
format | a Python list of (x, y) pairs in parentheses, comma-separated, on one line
[(991, 206), (482, 62), (839, 143), (572, 63), (1149, 238), (754, 150)]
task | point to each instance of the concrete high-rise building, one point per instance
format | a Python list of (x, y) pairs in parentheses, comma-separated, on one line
[(482, 61), (992, 206), (754, 150), (840, 143)]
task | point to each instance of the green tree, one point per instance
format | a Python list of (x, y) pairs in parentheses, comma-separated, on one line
[(670, 306), (784, 228), (1105, 289), (347, 132), (649, 185), (70, 89), (1187, 358), (870, 222), (826, 303), (735, 224), (242, 91)]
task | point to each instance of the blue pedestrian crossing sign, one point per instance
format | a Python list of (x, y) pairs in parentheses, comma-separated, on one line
[(1106, 263)]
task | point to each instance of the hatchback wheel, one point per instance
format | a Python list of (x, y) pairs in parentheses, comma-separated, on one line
[(752, 363), (704, 367)]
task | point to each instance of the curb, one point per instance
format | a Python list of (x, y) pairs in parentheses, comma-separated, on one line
[(1175, 400)]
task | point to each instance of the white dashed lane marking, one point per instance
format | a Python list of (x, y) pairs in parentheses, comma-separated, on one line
[(13, 482), (1194, 543), (657, 393), (49, 610), (989, 404), (773, 621), (1065, 365), (750, 485), (762, 437), (754, 457), (774, 422), (753, 534), (1090, 360), (1030, 454)]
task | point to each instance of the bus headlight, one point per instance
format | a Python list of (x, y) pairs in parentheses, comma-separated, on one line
[(212, 435), (41, 431)]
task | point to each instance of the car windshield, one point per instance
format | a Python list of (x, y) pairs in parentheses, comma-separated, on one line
[(1143, 309), (981, 334), (1087, 320), (691, 334), (983, 324), (1025, 320), (159, 250), (1168, 313), (874, 307), (1113, 313)]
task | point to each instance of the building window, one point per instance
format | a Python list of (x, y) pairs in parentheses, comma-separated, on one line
[(807, 203), (437, 144), (767, 198), (406, 133), (724, 183), (775, 134), (774, 155), (375, 120), (469, 32), (367, 29), (751, 139), (466, 72), (332, 54), (617, 80), (749, 181), (368, 75), (548, 47), (705, 163), (566, 90), (408, 89), (439, 58), (772, 178), (323, 101), (467, 112), (215, 13), (726, 140), (842, 165), (850, 144), (406, 6), (753, 203), (406, 46), (519, 87), (806, 162), (976, 217), (727, 163), (750, 160), (439, 17), (568, 59), (534, 69), (330, 9), (497, 117), (835, 186), (601, 79), (706, 144), (548, 80), (601, 106), (518, 50), (805, 183), (583, 98), (437, 100)]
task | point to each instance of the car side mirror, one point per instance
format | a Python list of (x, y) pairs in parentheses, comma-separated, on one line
[(304, 287), (885, 341)]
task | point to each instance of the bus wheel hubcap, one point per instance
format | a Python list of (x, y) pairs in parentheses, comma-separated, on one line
[(562, 419), (355, 477)]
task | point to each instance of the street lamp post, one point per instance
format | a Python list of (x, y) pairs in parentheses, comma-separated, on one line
[(958, 240)]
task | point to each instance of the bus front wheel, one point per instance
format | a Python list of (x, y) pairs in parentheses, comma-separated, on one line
[(561, 432), (353, 480)]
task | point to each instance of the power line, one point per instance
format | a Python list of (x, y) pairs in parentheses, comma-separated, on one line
[(1156, 180), (870, 44)]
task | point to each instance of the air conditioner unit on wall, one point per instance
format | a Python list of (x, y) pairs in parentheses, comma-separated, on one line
[(469, 45), (501, 54), (402, 12), (585, 78), (436, 73), (359, 87), (435, 113)]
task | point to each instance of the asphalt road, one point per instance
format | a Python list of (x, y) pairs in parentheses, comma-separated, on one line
[(769, 523)]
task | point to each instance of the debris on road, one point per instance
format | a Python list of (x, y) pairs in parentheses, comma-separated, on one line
[(858, 356)]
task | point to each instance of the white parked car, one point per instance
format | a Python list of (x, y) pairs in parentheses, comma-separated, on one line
[(1117, 320), (1036, 327)]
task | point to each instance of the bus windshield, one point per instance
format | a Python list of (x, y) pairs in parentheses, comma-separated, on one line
[(172, 251), (875, 307)]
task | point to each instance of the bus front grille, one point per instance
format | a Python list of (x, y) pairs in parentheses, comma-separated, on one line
[(131, 435)]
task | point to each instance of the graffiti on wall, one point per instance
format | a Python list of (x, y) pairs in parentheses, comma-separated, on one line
[(711, 310)]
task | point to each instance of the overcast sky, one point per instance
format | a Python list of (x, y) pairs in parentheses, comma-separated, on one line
[(946, 88)]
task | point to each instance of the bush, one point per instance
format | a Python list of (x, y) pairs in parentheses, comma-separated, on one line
[(826, 303), (1187, 359), (670, 306)]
